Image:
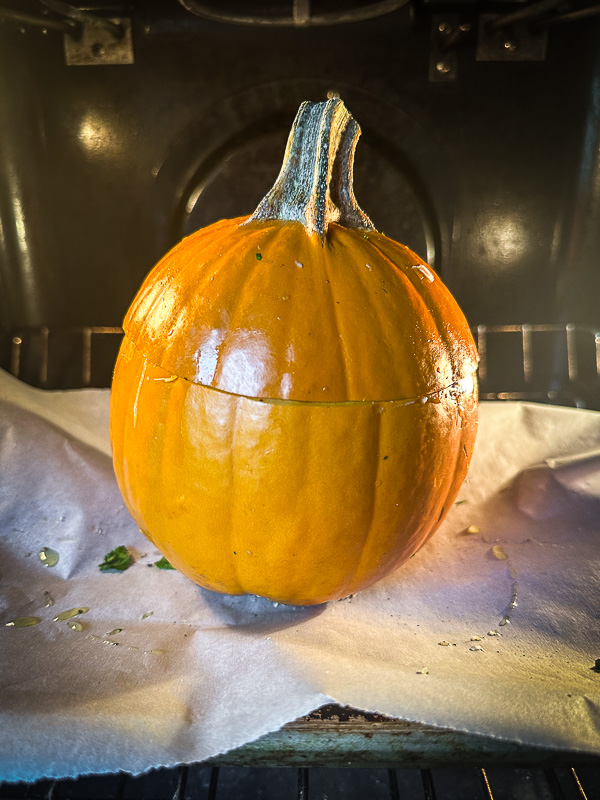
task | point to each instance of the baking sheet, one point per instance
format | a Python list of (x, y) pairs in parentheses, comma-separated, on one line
[(194, 674)]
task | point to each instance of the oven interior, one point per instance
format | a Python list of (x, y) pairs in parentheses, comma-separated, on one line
[(125, 126)]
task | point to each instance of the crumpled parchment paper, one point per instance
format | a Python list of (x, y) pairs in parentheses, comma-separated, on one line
[(192, 674)]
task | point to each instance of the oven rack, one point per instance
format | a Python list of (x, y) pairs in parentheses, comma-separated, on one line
[(200, 782), (550, 363)]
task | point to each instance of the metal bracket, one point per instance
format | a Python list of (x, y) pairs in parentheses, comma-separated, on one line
[(443, 62), (98, 46), (512, 43)]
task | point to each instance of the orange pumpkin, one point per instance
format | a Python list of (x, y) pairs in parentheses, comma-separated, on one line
[(294, 405)]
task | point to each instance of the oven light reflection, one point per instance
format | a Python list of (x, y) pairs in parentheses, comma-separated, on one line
[(20, 224), (207, 357), (22, 241), (97, 135), (15, 238), (246, 365), (503, 238)]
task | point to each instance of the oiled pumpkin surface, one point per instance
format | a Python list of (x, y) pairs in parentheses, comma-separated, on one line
[(298, 502), (294, 404), (264, 310)]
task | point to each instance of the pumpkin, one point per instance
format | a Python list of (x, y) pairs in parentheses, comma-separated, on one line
[(294, 404)]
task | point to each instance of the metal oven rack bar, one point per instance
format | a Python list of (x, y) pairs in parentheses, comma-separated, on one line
[(200, 782), (338, 752), (551, 363), (572, 362), (85, 335)]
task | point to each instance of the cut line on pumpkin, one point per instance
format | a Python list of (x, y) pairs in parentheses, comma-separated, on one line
[(423, 398)]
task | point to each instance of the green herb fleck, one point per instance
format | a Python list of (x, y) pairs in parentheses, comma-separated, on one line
[(460, 502), (596, 666), (385, 457), (120, 558), (259, 257), (162, 563)]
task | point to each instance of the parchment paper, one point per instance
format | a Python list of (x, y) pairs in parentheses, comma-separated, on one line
[(204, 673)]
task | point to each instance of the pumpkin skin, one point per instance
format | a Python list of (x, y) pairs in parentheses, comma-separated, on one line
[(296, 425), (298, 502), (363, 318)]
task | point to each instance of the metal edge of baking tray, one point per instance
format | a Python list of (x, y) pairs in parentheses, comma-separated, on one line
[(342, 737)]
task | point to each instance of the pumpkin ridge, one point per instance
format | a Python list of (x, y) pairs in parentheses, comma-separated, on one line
[(352, 579), (432, 304), (172, 459), (449, 489), (207, 293), (243, 293), (429, 315), (303, 537), (404, 297), (198, 274), (160, 274), (213, 233), (341, 343), (454, 484), (280, 345), (374, 320), (409, 275), (234, 472), (118, 422), (128, 434)]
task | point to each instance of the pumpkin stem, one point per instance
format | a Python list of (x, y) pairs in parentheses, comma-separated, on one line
[(315, 184)]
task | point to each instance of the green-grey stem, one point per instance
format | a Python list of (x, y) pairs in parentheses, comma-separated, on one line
[(315, 184)]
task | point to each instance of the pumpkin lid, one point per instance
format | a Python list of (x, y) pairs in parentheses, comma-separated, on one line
[(304, 300)]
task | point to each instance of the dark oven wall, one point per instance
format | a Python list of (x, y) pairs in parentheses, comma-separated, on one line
[(483, 161)]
